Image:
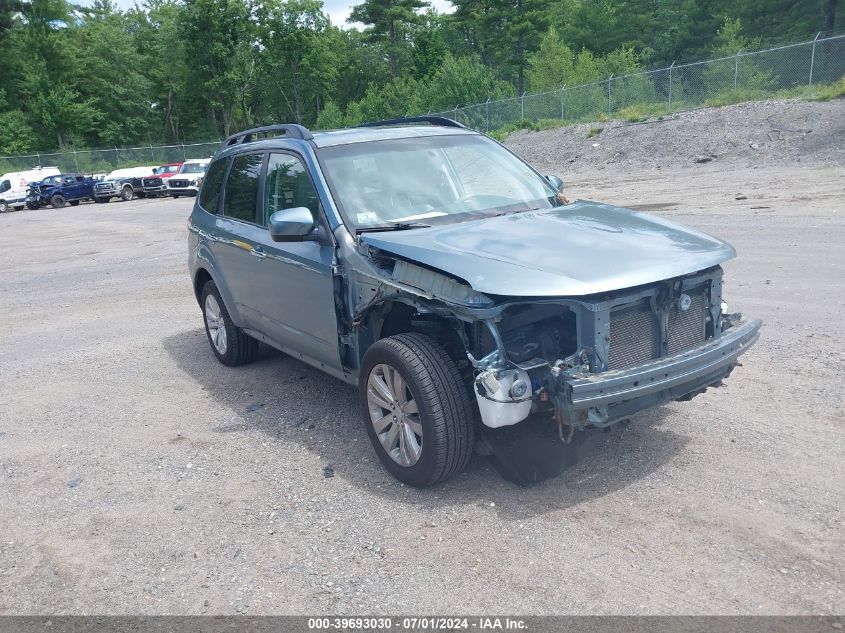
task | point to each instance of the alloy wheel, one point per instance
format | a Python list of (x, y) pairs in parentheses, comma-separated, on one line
[(216, 325), (394, 415)]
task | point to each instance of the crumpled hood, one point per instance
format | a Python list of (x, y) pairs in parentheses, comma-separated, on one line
[(579, 249)]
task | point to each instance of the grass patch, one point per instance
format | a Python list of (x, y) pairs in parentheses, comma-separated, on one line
[(594, 131), (641, 112)]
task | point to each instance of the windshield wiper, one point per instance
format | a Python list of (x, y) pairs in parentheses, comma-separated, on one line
[(396, 226)]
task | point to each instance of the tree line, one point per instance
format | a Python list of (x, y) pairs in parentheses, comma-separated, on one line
[(187, 70)]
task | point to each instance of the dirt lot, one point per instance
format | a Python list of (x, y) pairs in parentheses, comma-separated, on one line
[(139, 475)]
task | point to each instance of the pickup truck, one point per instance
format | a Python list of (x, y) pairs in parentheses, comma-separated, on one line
[(156, 184), (57, 191), (124, 184)]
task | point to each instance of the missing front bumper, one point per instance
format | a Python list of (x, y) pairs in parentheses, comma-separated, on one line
[(601, 399)]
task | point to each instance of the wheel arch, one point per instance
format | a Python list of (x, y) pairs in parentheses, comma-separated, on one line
[(402, 315)]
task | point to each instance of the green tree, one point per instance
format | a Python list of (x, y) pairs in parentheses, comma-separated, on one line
[(219, 41), (388, 23), (462, 81), (110, 76), (299, 65), (330, 117), (429, 46)]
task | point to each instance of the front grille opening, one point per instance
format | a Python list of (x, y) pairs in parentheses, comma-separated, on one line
[(635, 331)]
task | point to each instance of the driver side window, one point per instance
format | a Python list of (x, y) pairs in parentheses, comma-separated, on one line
[(5, 186), (288, 185)]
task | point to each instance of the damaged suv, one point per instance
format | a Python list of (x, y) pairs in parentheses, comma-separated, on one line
[(455, 285)]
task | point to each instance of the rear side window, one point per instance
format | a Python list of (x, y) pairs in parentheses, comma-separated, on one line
[(210, 192), (241, 195)]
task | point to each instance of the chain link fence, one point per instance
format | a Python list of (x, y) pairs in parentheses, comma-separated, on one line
[(741, 77), (93, 161)]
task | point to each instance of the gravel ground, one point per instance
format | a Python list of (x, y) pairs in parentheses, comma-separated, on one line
[(138, 475)]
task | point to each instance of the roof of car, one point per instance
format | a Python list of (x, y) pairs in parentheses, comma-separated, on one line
[(364, 134), (347, 136)]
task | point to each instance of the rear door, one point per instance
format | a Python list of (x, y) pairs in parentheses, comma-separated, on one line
[(294, 294), (237, 233)]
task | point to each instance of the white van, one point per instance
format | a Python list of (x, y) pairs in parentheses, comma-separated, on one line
[(14, 184)]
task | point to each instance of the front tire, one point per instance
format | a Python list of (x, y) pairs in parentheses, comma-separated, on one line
[(126, 194), (230, 344), (4, 206), (57, 201), (416, 409)]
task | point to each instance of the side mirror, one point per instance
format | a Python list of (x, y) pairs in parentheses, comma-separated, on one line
[(291, 225), (556, 182)]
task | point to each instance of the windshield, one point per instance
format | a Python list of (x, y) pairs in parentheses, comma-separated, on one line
[(430, 180), (193, 168), (168, 169)]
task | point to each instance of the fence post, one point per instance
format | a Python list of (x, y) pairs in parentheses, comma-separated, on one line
[(39, 158), (562, 101), (487, 114), (184, 155), (813, 57), (609, 79), (522, 107), (736, 69), (75, 161), (670, 87), (456, 113), (152, 155)]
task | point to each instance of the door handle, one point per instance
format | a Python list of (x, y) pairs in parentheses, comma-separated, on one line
[(258, 253)]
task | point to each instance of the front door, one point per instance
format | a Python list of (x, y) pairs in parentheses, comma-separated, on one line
[(296, 302)]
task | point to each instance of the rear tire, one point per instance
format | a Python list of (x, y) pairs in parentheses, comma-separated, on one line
[(58, 201), (440, 398), (230, 344)]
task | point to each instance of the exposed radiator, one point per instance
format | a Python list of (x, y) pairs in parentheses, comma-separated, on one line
[(635, 332)]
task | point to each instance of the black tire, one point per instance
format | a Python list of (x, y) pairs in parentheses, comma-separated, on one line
[(74, 203), (445, 411), (101, 200), (174, 195), (241, 348), (58, 201), (127, 193), (32, 206), (4, 206)]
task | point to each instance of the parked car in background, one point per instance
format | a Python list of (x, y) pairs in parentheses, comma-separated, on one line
[(455, 285), (187, 182), (121, 183), (57, 191), (156, 184), (15, 184)]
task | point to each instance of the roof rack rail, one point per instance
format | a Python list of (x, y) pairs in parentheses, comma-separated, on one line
[(291, 130), (433, 120)]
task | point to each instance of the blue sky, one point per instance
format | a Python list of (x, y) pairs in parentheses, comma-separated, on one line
[(338, 10)]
